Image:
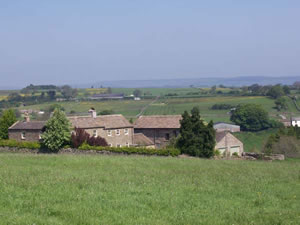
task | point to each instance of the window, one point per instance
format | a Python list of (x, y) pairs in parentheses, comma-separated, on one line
[(126, 131), (40, 136), (167, 136), (127, 144), (23, 135), (108, 132), (118, 132), (119, 146), (95, 134), (110, 145)]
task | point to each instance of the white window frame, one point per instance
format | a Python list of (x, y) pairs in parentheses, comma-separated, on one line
[(126, 131), (95, 133), (109, 133), (118, 132), (23, 135), (127, 144), (110, 145), (40, 136), (119, 145)]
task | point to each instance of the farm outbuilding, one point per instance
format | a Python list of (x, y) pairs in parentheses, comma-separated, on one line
[(228, 144)]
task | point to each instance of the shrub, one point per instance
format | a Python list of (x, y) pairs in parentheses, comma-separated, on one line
[(235, 154), (222, 106), (23, 144), (97, 141), (134, 150), (217, 153), (80, 136)]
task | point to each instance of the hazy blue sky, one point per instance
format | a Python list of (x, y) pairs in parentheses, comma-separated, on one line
[(69, 41)]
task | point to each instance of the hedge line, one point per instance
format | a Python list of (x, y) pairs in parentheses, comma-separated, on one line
[(17, 144), (126, 150), (133, 150)]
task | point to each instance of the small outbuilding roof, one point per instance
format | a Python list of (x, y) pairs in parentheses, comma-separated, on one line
[(32, 125), (106, 122), (142, 140), (158, 122)]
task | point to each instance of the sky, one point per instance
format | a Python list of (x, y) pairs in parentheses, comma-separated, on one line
[(74, 42)]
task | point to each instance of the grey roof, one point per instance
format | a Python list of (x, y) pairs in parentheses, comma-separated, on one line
[(32, 125), (295, 118), (225, 125)]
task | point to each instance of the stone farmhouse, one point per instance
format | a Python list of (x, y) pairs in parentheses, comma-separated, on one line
[(159, 129), (26, 130), (116, 129), (147, 131)]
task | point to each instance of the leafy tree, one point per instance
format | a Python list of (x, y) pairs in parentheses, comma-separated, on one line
[(137, 93), (196, 138), (57, 131), (213, 89), (80, 136), (7, 119), (52, 107), (68, 92), (251, 117), (280, 103), (286, 90), (51, 95), (275, 92)]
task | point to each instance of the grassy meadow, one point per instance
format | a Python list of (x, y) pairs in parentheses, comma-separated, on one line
[(66, 189)]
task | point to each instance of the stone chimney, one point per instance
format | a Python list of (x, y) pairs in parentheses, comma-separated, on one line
[(26, 118), (93, 113)]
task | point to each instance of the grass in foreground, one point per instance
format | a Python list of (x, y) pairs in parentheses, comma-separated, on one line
[(64, 189)]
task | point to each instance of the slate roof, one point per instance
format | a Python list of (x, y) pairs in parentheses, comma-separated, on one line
[(106, 122), (158, 122), (32, 125), (220, 136), (142, 140), (222, 125)]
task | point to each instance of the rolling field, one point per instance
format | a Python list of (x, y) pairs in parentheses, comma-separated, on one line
[(171, 106), (128, 108), (65, 189), (254, 141), (177, 106)]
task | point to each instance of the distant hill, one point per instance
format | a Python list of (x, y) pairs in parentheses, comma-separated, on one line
[(196, 82)]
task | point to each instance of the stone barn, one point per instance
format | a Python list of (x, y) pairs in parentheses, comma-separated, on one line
[(159, 129), (228, 144)]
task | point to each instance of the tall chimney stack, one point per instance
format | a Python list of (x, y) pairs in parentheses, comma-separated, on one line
[(93, 113), (27, 117)]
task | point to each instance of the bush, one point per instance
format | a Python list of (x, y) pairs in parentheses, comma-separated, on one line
[(134, 150), (80, 136), (23, 144), (222, 106)]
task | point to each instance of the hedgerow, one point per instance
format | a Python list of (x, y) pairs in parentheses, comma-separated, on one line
[(133, 150), (17, 144)]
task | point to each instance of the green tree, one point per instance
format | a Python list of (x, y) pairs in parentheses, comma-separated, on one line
[(196, 138), (275, 92), (286, 90), (251, 117), (137, 93), (7, 119), (281, 103), (57, 131), (68, 92)]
